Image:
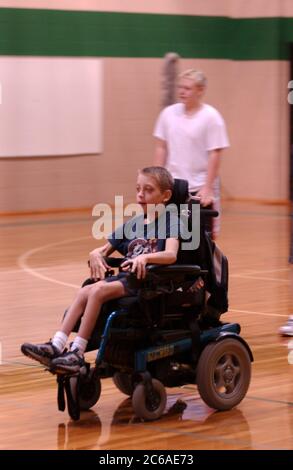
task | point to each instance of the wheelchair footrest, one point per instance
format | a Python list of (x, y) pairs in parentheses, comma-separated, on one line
[(65, 387)]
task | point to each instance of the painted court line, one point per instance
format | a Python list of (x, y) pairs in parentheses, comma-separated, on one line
[(23, 264)]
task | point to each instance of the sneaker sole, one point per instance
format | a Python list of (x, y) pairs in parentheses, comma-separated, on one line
[(42, 360), (63, 370)]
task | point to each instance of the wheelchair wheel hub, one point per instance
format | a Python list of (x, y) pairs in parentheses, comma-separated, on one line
[(153, 400), (228, 375)]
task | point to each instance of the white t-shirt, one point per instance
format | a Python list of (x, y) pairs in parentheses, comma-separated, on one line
[(189, 139)]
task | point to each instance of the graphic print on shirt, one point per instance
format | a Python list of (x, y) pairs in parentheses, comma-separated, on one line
[(141, 246)]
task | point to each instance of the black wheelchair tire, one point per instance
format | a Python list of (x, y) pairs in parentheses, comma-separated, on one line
[(124, 383), (89, 390), (147, 409), (223, 374)]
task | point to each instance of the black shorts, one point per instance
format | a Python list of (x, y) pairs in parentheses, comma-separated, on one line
[(123, 278)]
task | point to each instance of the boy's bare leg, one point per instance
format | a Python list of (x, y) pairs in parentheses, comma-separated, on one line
[(88, 303), (75, 310), (97, 296)]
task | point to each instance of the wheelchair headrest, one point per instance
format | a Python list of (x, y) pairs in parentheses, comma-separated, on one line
[(180, 192)]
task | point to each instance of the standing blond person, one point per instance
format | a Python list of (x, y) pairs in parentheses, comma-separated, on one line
[(191, 136)]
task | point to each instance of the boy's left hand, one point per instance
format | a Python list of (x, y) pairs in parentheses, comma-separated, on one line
[(126, 265), (137, 265)]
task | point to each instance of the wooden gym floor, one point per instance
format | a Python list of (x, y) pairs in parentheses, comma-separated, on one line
[(43, 261)]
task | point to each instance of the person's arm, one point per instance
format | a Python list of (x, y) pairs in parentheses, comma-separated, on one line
[(168, 256), (98, 265), (206, 193), (161, 152)]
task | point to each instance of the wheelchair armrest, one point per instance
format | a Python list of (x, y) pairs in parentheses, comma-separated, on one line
[(166, 279), (114, 262), (189, 269)]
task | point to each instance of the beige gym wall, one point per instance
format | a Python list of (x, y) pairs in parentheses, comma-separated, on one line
[(173, 7), (251, 95)]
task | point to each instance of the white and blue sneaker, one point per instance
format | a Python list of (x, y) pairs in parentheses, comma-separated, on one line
[(43, 353), (287, 329), (70, 362)]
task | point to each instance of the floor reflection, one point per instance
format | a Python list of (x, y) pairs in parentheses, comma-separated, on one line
[(123, 428), (230, 427), (82, 434)]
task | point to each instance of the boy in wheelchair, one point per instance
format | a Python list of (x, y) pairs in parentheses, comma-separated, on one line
[(163, 328), (154, 187)]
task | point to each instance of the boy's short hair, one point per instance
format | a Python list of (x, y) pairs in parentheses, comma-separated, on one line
[(196, 76), (162, 176)]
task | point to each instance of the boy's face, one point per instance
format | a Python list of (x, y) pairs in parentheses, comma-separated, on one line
[(149, 192), (189, 93)]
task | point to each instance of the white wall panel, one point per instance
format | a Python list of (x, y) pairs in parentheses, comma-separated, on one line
[(50, 106)]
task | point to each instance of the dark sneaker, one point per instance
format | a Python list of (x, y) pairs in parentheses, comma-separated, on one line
[(68, 363), (44, 353)]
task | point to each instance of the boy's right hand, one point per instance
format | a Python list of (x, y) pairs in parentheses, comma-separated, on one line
[(98, 265)]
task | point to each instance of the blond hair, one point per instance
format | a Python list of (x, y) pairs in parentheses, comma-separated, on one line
[(196, 76), (162, 176)]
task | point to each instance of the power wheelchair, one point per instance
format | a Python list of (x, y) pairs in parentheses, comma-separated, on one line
[(166, 336)]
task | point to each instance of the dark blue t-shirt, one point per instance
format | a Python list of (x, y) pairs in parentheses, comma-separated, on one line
[(135, 237)]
